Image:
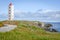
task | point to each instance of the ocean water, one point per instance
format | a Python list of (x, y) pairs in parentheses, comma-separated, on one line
[(55, 25)]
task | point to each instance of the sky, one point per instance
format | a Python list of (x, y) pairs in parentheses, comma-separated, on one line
[(38, 10)]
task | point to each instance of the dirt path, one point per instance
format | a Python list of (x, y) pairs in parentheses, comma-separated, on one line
[(7, 28)]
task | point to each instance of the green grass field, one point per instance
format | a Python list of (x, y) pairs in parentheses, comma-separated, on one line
[(24, 31)]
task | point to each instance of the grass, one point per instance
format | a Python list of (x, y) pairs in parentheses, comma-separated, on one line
[(1, 24), (29, 32)]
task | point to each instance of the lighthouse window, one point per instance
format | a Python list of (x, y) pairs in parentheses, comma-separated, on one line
[(9, 10), (9, 7), (9, 13)]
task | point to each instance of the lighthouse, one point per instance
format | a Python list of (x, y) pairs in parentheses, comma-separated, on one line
[(11, 12)]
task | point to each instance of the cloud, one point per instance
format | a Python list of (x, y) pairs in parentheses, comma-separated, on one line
[(57, 15), (44, 11), (41, 15)]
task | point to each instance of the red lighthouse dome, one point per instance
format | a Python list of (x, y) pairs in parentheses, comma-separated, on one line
[(10, 4)]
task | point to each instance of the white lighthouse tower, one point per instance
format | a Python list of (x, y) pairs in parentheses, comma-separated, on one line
[(11, 12)]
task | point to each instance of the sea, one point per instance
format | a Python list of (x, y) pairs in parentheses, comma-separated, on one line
[(55, 25)]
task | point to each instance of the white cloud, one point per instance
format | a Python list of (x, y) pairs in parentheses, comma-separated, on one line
[(50, 15), (58, 15), (44, 11)]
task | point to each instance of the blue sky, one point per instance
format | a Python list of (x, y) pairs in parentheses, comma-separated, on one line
[(40, 10)]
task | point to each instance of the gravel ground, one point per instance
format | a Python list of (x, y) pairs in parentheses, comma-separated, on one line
[(7, 28)]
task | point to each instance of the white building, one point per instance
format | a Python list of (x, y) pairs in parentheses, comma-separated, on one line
[(11, 11)]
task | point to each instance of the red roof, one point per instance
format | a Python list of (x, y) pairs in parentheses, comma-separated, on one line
[(10, 4)]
